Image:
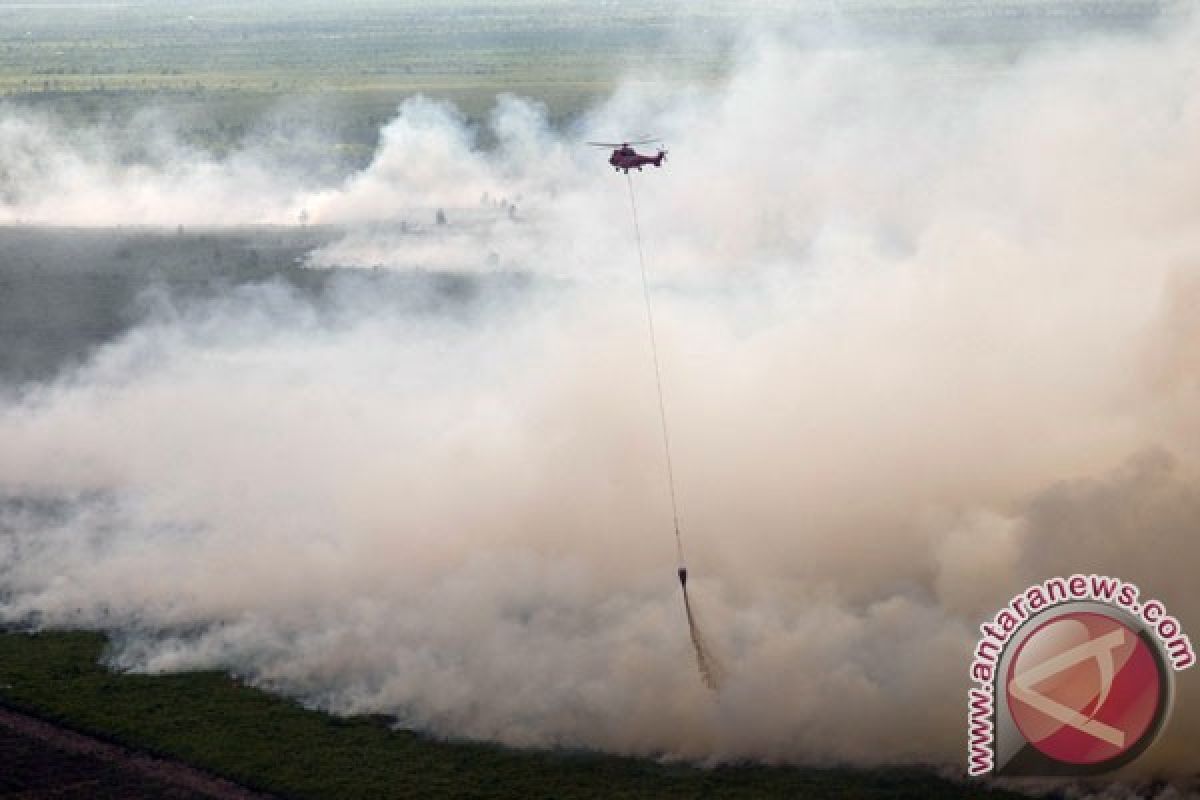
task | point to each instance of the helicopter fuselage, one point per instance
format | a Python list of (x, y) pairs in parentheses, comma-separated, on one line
[(626, 158)]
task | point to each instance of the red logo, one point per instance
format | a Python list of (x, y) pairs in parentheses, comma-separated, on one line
[(1084, 688)]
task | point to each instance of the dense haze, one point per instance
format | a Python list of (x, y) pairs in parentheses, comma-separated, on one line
[(930, 329)]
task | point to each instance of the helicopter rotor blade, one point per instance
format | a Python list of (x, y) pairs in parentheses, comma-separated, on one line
[(630, 142)]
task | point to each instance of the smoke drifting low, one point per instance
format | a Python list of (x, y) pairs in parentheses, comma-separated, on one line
[(929, 327)]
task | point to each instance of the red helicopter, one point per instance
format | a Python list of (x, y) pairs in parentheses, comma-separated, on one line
[(624, 157)]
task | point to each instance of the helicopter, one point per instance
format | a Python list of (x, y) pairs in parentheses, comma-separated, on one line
[(624, 157)]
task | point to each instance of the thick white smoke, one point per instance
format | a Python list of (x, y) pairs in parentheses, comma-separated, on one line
[(929, 328)]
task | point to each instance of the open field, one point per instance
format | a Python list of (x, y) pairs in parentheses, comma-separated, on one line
[(219, 68), (405, 45), (213, 721), (356, 60), (354, 45)]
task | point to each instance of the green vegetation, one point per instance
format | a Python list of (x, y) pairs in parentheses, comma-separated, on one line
[(211, 720), (362, 56), (219, 66), (357, 44), (403, 45), (223, 71)]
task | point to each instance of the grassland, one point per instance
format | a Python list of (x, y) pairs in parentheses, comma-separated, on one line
[(353, 45), (359, 57), (218, 69), (211, 720), (221, 65), (402, 45)]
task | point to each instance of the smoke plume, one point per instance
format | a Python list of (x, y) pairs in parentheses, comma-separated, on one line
[(929, 322)]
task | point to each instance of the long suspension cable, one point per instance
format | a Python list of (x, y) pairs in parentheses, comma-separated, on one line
[(709, 667), (662, 407)]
